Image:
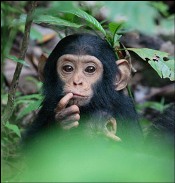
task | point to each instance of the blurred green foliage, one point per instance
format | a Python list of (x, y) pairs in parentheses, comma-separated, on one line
[(139, 15), (75, 157), (17, 60), (158, 106)]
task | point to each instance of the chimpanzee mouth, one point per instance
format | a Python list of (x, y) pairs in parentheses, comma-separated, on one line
[(76, 95)]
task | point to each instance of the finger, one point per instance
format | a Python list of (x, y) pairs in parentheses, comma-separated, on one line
[(74, 117), (113, 137), (72, 125), (64, 101), (64, 113), (70, 119), (111, 125), (71, 110)]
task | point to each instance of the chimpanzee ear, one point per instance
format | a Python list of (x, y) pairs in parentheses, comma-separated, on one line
[(123, 77), (41, 64)]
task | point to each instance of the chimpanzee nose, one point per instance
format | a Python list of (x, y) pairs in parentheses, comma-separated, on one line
[(77, 79), (77, 82)]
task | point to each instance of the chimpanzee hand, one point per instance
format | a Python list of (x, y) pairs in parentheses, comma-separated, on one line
[(110, 129), (102, 122), (67, 117)]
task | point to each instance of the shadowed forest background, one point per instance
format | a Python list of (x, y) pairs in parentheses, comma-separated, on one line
[(140, 25)]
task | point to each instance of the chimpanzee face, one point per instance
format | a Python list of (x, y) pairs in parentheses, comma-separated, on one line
[(79, 73), (79, 64)]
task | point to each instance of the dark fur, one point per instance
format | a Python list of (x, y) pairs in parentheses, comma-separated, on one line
[(105, 98)]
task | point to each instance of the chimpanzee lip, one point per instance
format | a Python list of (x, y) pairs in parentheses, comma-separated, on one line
[(77, 95)]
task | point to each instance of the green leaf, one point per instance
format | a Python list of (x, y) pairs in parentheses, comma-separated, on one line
[(146, 53), (114, 37), (155, 58), (17, 60), (82, 14), (55, 21), (65, 7), (158, 106), (116, 40), (14, 128), (28, 98), (31, 107), (55, 8), (114, 27), (12, 9)]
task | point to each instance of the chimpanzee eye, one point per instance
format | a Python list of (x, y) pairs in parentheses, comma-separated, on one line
[(68, 68), (90, 69)]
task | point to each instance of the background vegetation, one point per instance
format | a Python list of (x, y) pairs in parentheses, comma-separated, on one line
[(146, 29)]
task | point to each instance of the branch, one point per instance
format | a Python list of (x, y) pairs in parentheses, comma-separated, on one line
[(11, 94)]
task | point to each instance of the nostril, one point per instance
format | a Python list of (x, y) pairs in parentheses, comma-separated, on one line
[(77, 83)]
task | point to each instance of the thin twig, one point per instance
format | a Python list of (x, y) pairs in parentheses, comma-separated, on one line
[(11, 94)]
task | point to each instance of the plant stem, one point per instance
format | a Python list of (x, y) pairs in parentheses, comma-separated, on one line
[(12, 90), (130, 94)]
